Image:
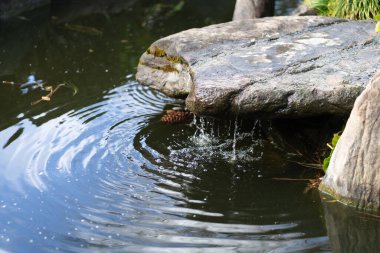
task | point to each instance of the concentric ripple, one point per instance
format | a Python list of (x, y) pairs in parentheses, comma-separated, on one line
[(111, 178)]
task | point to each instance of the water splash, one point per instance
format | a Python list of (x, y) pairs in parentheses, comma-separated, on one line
[(234, 140), (201, 137)]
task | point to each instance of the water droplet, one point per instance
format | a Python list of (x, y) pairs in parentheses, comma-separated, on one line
[(21, 115)]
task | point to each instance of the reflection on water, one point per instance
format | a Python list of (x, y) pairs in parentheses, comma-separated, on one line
[(98, 171), (110, 175), (351, 230)]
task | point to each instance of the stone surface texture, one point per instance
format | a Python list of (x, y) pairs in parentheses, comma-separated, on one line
[(277, 67), (353, 175)]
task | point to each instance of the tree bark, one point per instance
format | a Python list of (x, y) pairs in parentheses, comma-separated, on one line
[(248, 9), (353, 176)]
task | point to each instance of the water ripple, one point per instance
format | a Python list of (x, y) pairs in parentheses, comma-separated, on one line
[(111, 177)]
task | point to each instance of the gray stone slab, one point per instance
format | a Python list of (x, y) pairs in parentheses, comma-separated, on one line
[(275, 67)]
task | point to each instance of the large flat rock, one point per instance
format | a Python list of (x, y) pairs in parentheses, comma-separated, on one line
[(277, 67)]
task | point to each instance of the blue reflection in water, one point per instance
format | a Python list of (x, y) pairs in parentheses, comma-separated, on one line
[(110, 177)]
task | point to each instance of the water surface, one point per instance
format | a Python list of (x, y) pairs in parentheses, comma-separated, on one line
[(98, 172)]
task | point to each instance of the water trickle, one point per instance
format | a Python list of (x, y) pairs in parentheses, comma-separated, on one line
[(201, 137), (234, 140)]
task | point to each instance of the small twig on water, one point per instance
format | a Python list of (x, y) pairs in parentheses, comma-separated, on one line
[(316, 166), (370, 216), (48, 96), (292, 179), (313, 183), (8, 82)]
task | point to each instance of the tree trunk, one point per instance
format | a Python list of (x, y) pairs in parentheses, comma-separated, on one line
[(248, 9), (353, 176)]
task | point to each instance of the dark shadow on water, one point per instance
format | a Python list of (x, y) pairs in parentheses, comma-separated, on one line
[(350, 230)]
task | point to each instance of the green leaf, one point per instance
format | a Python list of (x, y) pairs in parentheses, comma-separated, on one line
[(326, 163), (335, 139), (377, 29), (377, 17)]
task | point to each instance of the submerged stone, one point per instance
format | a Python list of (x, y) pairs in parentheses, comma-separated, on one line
[(276, 67)]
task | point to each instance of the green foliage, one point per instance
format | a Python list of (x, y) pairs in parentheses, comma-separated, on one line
[(332, 146), (320, 6), (377, 28), (352, 9)]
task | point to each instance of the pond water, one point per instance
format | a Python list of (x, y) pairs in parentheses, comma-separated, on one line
[(94, 169)]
